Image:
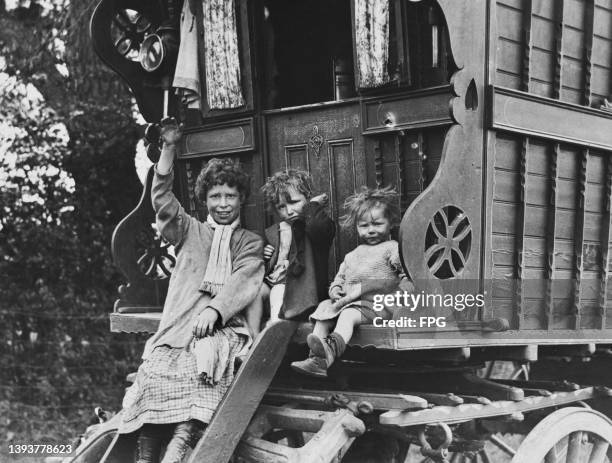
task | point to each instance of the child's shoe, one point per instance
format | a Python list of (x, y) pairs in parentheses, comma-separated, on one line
[(330, 348), (312, 366)]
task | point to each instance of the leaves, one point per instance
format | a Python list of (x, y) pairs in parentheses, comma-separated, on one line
[(66, 179)]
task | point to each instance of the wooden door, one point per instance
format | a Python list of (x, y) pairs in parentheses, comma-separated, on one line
[(324, 140)]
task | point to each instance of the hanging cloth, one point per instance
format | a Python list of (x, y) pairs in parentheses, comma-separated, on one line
[(222, 60), (187, 75), (372, 37)]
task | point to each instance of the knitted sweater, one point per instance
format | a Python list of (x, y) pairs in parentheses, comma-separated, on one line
[(369, 270), (192, 240)]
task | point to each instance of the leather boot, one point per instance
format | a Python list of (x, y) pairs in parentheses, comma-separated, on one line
[(186, 435), (148, 447)]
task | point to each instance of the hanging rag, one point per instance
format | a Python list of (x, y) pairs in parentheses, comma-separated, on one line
[(212, 355), (187, 75)]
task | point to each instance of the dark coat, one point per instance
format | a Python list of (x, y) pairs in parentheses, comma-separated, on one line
[(307, 274)]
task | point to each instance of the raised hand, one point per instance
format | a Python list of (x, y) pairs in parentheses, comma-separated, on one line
[(170, 131)]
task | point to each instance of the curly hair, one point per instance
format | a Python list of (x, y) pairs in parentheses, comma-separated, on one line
[(360, 203), (220, 172), (277, 186)]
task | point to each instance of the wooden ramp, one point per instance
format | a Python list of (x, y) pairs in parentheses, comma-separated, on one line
[(244, 395)]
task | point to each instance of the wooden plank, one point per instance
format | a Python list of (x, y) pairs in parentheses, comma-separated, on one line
[(549, 119), (579, 236), (134, 322), (246, 391), (323, 397), (467, 412)]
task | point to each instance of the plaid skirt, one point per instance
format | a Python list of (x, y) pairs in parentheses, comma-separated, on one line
[(168, 389)]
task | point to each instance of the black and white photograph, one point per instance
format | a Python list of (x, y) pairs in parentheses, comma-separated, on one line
[(306, 231)]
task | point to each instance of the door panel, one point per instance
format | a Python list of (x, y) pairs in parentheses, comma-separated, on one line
[(325, 141)]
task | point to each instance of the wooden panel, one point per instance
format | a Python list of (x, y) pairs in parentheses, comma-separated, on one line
[(344, 183), (217, 139), (537, 193), (325, 140), (424, 108), (574, 14), (296, 157), (601, 52), (530, 115), (505, 187)]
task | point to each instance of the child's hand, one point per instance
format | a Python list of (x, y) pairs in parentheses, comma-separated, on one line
[(406, 285), (170, 131), (268, 251), (205, 323), (322, 199), (336, 293)]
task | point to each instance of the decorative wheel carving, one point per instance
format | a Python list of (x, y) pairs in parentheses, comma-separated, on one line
[(155, 262), (568, 435), (448, 242), (128, 30)]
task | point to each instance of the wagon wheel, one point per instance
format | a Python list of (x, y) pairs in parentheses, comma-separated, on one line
[(568, 435)]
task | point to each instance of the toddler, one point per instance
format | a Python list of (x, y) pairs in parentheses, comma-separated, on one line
[(372, 268), (296, 251)]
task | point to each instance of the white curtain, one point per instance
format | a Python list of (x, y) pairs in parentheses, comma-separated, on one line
[(223, 89), (220, 55), (372, 37)]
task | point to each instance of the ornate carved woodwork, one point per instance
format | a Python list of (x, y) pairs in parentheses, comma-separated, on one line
[(462, 151), (118, 29), (142, 257)]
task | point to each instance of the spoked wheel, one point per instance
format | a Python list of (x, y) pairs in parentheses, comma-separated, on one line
[(568, 435)]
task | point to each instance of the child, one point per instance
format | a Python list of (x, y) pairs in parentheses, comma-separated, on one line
[(218, 272), (372, 268), (297, 249)]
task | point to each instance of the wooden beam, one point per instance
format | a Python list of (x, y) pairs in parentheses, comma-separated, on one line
[(605, 244), (589, 20), (559, 6), (579, 237), (532, 115), (323, 397), (550, 234), (134, 322), (378, 163), (467, 412), (526, 67), (520, 238)]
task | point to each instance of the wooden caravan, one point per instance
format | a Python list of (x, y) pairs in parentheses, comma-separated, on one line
[(491, 118)]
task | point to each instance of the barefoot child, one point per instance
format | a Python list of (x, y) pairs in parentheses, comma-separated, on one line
[(372, 268), (297, 248)]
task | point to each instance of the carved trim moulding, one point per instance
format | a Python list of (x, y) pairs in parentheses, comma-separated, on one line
[(236, 136), (532, 115), (430, 107)]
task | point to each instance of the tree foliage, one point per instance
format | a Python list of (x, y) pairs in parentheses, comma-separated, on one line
[(67, 141)]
